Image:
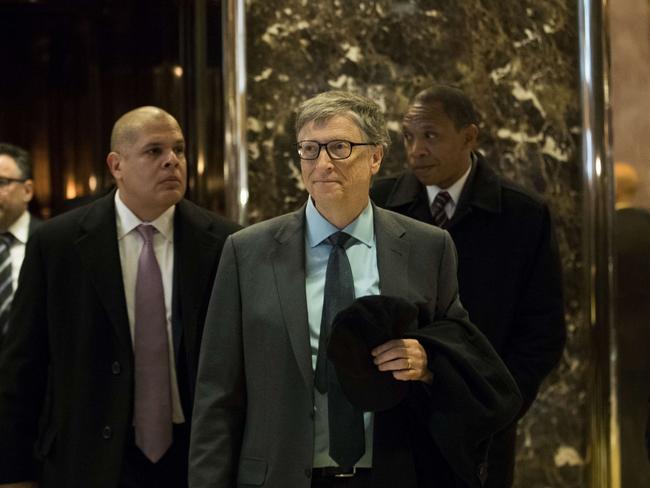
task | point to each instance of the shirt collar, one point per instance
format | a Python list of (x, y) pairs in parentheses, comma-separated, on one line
[(20, 228), (455, 189), (319, 228), (127, 220)]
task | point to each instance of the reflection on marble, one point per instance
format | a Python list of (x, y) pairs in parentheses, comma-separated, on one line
[(518, 61)]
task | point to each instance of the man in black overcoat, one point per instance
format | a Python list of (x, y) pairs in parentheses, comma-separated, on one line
[(90, 345), (509, 272)]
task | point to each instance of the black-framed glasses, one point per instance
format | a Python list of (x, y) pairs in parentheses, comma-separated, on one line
[(337, 149), (6, 181)]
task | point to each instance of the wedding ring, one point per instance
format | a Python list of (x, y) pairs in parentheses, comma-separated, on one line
[(408, 362)]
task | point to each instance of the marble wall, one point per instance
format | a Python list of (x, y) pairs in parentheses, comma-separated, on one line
[(518, 60)]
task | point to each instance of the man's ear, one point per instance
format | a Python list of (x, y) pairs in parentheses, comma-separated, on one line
[(114, 162), (28, 185), (376, 159), (471, 135)]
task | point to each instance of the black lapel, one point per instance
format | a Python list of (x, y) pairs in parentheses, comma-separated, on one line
[(482, 190), (409, 197), (100, 256), (288, 259)]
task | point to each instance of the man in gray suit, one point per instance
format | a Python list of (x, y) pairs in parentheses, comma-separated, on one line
[(266, 414)]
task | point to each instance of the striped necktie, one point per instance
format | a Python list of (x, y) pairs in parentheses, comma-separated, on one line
[(6, 284), (438, 213)]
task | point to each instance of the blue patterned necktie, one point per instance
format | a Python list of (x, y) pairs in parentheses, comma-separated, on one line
[(346, 428)]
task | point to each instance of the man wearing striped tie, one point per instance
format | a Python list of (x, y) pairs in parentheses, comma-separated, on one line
[(16, 223), (508, 265)]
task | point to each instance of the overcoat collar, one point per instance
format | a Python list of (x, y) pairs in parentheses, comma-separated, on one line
[(193, 254), (482, 190), (99, 254)]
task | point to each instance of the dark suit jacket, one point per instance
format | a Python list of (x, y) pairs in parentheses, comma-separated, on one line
[(68, 357), (632, 291), (34, 222), (253, 417), (509, 278)]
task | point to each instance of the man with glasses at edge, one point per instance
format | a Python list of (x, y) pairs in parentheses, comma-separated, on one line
[(264, 415), (16, 223)]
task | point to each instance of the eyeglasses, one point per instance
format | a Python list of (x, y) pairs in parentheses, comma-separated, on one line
[(339, 149), (6, 181)]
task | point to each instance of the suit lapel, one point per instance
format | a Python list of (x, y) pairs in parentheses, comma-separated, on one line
[(99, 254), (410, 198), (288, 260), (392, 254)]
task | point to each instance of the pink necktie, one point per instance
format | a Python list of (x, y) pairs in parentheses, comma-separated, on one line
[(153, 406)]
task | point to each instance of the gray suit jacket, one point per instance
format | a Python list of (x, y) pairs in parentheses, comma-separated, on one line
[(253, 415)]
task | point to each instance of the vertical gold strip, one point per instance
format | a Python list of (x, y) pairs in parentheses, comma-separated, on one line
[(234, 81), (604, 466)]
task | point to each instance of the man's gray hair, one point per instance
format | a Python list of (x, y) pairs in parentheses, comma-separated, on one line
[(361, 110)]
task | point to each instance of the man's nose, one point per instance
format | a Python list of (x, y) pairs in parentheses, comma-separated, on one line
[(172, 159), (418, 147), (323, 159)]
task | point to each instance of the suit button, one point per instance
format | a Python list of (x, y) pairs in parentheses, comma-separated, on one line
[(107, 433), (116, 368), (482, 472), (308, 472)]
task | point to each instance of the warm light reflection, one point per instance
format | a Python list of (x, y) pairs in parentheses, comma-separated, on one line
[(70, 188), (200, 165), (178, 71), (243, 197), (92, 183)]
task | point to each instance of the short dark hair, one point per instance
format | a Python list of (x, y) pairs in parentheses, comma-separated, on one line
[(21, 156), (458, 107)]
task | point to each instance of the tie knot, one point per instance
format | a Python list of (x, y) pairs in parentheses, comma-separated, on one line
[(442, 199), (6, 239), (339, 239), (146, 231)]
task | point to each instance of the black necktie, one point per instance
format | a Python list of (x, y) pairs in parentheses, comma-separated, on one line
[(346, 429), (438, 213), (6, 284)]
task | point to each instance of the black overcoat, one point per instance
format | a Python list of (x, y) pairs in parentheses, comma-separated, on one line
[(509, 278), (66, 366)]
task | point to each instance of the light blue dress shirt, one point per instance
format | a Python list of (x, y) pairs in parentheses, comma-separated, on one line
[(362, 255)]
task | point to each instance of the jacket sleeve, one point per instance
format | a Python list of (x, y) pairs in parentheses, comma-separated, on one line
[(537, 339), (24, 360), (220, 401)]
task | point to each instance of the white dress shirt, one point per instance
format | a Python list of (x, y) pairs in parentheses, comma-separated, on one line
[(454, 192), (20, 230), (130, 244)]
